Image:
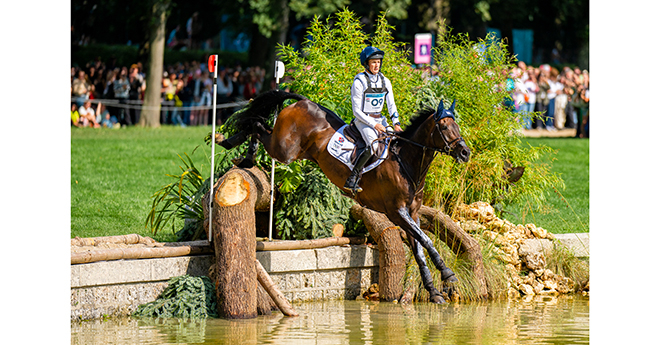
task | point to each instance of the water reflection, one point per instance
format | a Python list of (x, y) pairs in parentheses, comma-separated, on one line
[(539, 320)]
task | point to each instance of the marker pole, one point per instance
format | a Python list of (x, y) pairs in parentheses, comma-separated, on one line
[(213, 68), (279, 73)]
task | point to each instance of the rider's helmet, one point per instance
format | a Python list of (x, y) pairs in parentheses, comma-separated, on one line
[(369, 53)]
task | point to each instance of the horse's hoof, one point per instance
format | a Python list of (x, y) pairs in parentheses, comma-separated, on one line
[(243, 163), (448, 276), (437, 299)]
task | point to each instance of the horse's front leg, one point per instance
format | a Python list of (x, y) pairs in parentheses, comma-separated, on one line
[(412, 228), (425, 273)]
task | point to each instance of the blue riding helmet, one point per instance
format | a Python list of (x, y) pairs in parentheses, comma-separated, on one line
[(369, 53)]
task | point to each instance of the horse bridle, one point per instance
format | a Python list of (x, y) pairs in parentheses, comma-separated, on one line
[(449, 145)]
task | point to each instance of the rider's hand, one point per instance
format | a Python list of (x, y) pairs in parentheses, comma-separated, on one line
[(379, 127), (397, 128)]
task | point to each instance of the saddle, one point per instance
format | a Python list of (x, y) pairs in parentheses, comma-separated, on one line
[(353, 135)]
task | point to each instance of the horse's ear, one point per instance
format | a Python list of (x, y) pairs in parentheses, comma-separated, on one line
[(452, 106)]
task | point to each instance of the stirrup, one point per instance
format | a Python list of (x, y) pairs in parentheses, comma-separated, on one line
[(352, 184)]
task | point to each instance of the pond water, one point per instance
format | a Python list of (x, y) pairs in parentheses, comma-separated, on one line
[(538, 320)]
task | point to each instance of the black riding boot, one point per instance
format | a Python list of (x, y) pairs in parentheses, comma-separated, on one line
[(354, 178)]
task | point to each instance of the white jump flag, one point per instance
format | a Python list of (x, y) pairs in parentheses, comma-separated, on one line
[(279, 73)]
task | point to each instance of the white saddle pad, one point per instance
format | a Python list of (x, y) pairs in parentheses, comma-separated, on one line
[(340, 148)]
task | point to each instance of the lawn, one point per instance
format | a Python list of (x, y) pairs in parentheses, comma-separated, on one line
[(566, 211), (114, 174)]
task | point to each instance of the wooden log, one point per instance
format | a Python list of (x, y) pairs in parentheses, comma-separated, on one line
[(121, 239), (273, 291), (460, 242), (391, 253), (307, 244), (235, 197), (139, 253)]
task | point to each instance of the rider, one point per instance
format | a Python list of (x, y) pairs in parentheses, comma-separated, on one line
[(370, 91)]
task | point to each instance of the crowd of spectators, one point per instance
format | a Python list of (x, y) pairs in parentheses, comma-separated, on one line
[(562, 98), (110, 96), (113, 94)]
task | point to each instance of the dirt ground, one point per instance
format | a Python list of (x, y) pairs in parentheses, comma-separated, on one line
[(542, 133)]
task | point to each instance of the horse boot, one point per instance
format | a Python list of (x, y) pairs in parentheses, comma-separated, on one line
[(248, 161), (356, 173)]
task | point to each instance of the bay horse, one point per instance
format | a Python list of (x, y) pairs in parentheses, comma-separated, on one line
[(395, 187)]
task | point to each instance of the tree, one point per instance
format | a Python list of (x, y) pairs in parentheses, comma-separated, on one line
[(156, 47)]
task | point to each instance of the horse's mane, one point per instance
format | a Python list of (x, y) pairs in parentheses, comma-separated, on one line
[(420, 117)]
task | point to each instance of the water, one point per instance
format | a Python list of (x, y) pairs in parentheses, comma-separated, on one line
[(540, 320)]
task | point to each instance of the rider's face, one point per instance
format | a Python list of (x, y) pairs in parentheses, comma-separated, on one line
[(374, 65)]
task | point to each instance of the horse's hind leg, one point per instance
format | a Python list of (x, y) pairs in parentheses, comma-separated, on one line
[(248, 161), (412, 228), (234, 140), (424, 271)]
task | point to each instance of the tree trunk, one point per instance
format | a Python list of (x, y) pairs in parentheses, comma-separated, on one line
[(273, 291), (460, 242), (391, 254), (151, 110), (235, 197)]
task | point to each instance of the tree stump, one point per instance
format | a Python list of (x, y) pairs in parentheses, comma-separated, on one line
[(391, 253), (237, 194)]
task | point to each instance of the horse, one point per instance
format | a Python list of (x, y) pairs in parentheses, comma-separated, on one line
[(303, 129)]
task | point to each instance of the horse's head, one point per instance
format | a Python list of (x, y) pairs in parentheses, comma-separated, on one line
[(450, 140)]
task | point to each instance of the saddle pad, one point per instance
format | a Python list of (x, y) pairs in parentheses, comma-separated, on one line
[(340, 148)]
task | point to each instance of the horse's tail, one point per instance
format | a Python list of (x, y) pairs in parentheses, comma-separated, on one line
[(261, 109)]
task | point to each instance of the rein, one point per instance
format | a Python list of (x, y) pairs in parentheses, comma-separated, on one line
[(418, 184)]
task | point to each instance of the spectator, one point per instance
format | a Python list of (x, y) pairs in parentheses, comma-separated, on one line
[(75, 115), (531, 88), (225, 89), (555, 88), (81, 88), (122, 88), (87, 115), (249, 86), (168, 91), (137, 87), (176, 40), (193, 28), (187, 98)]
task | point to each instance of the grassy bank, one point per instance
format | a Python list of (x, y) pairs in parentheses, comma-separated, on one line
[(566, 211), (114, 173)]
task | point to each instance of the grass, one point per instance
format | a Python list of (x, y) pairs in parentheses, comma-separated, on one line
[(566, 211), (114, 173)]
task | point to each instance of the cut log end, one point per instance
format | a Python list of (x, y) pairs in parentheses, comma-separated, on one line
[(233, 191)]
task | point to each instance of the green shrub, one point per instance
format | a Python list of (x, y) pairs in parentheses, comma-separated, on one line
[(474, 74), (184, 297)]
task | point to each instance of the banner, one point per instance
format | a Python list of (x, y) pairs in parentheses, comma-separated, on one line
[(423, 45)]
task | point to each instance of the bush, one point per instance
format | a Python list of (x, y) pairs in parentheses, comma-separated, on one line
[(474, 74)]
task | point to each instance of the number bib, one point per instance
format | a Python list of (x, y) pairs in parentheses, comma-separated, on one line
[(373, 102), (374, 97)]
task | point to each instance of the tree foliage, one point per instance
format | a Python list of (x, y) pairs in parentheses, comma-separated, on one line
[(472, 73)]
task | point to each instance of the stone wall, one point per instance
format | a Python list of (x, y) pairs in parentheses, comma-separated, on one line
[(117, 288)]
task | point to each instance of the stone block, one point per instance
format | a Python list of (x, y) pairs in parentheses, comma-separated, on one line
[(534, 246), (288, 260), (578, 243)]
